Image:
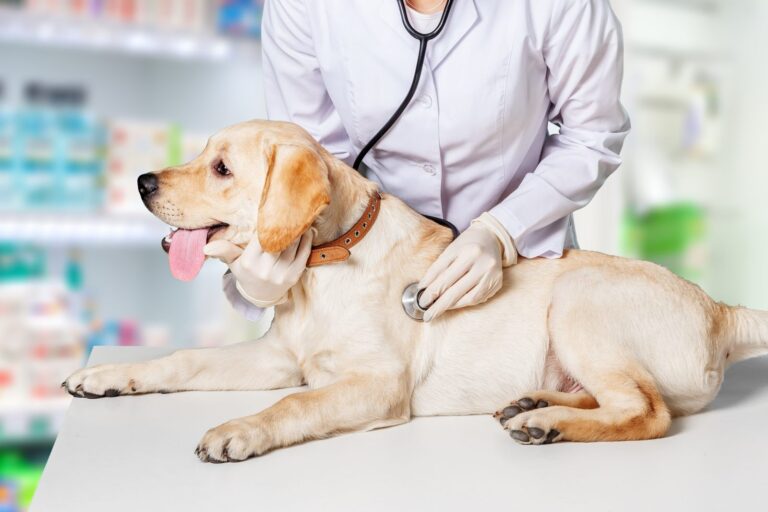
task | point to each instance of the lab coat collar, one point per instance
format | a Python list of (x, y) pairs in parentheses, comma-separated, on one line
[(462, 18)]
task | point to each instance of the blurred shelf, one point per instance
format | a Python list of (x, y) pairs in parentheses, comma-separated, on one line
[(676, 55), (83, 229), (711, 6), (20, 27), (31, 422), (27, 441)]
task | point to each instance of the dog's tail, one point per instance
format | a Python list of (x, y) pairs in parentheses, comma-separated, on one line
[(746, 333)]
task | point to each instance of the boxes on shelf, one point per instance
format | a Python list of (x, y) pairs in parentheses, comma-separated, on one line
[(56, 156), (240, 17), (41, 325), (232, 17), (49, 323), (51, 152), (79, 151), (7, 177), (42, 344), (177, 14), (136, 147)]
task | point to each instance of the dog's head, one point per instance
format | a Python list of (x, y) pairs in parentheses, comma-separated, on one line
[(260, 178)]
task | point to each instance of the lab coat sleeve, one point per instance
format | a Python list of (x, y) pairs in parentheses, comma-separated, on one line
[(583, 51), (242, 306), (293, 82)]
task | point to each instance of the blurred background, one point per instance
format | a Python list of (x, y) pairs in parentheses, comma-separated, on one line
[(94, 92)]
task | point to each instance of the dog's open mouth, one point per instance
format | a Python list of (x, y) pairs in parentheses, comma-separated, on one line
[(185, 250)]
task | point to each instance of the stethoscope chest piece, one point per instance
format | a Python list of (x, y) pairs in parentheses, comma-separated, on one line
[(411, 302)]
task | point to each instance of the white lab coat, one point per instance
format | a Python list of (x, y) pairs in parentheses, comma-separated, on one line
[(475, 137)]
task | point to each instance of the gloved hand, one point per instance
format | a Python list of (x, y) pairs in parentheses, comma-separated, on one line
[(263, 278), (469, 271)]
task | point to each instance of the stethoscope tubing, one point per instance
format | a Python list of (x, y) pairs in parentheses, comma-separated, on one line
[(411, 294), (423, 42)]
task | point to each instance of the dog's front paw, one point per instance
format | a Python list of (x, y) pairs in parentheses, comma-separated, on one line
[(233, 441), (101, 381)]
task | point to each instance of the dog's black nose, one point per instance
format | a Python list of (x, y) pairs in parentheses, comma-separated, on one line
[(147, 185)]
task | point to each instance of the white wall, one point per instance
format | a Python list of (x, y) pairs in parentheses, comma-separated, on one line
[(741, 238), (655, 33)]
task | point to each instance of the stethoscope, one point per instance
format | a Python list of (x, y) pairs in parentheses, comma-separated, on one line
[(423, 40), (412, 293)]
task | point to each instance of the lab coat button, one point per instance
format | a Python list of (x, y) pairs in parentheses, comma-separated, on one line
[(426, 100), (429, 169)]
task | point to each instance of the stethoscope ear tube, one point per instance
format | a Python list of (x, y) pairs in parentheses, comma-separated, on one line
[(415, 33), (423, 40)]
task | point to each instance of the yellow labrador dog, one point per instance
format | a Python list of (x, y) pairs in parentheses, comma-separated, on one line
[(593, 347)]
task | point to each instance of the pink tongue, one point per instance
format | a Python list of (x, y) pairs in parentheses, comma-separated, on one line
[(186, 253)]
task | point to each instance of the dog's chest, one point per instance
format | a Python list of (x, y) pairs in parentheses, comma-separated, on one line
[(340, 321)]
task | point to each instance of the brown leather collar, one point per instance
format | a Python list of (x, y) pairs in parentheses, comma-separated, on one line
[(337, 250)]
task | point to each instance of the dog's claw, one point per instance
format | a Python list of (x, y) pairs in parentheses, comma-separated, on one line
[(77, 392)]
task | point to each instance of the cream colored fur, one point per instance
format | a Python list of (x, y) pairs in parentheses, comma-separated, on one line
[(644, 344)]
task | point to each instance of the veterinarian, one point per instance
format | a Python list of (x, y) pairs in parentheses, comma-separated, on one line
[(473, 147)]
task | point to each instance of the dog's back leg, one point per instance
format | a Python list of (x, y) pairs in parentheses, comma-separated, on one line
[(595, 339), (627, 406)]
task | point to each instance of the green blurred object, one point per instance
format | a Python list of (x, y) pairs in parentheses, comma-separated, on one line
[(22, 474), (175, 151), (670, 235)]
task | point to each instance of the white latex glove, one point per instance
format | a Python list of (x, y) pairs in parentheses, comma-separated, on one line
[(469, 271), (263, 278)]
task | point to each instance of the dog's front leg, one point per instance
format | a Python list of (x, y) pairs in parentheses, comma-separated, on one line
[(253, 365), (354, 403)]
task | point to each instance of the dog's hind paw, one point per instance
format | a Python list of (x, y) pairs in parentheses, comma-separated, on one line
[(534, 435), (520, 419), (515, 408)]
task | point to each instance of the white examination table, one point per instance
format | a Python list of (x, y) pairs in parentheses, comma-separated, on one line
[(132, 454)]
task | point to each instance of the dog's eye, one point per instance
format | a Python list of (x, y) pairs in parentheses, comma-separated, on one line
[(221, 169)]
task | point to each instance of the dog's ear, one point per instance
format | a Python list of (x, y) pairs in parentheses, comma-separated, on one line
[(296, 190)]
